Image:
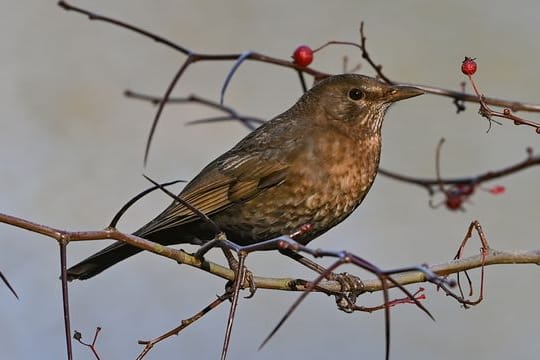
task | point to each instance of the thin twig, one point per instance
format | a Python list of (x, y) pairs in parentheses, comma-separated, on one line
[(65, 297)]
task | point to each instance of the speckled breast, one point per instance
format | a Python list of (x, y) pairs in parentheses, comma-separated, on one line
[(324, 184)]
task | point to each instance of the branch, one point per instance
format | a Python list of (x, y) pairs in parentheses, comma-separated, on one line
[(514, 105), (493, 257), (530, 161)]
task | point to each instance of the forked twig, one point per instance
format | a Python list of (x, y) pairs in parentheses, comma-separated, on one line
[(92, 346), (484, 251), (149, 344)]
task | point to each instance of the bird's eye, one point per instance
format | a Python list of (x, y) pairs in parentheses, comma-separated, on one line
[(355, 94)]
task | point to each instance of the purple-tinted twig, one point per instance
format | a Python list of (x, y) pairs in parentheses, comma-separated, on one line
[(243, 57)]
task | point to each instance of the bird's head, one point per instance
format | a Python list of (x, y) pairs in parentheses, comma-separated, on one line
[(353, 101)]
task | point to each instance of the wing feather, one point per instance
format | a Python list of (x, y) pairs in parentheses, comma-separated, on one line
[(221, 184)]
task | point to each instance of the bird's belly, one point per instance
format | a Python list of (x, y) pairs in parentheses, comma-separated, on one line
[(317, 199)]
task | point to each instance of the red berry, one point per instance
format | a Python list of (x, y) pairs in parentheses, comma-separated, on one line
[(453, 202), (303, 55), (468, 66)]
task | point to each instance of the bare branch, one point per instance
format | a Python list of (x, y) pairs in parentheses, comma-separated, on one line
[(493, 257)]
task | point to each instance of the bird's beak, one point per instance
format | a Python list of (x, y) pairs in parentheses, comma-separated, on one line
[(403, 92)]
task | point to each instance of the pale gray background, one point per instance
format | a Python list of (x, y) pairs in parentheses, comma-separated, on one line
[(72, 147)]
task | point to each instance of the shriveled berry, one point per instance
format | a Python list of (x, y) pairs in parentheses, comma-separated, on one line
[(303, 55), (468, 66)]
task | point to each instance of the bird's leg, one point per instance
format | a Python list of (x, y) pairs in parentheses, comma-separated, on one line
[(231, 260), (226, 245), (234, 265)]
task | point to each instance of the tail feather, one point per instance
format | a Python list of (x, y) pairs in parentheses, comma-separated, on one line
[(119, 251), (101, 261)]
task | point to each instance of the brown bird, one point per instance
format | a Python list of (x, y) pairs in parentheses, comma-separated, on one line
[(313, 164)]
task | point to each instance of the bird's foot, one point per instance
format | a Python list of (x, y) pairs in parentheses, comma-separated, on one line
[(248, 277), (251, 282), (351, 287)]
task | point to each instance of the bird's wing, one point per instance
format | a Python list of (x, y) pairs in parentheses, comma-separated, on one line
[(223, 183)]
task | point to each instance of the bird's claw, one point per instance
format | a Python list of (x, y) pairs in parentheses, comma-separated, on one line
[(248, 277), (351, 287), (251, 282)]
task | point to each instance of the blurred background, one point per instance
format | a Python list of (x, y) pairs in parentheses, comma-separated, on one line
[(71, 151)]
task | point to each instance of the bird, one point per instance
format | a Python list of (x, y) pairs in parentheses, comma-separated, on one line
[(310, 167)]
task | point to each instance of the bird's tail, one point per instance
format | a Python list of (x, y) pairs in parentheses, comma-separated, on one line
[(101, 260), (119, 251)]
